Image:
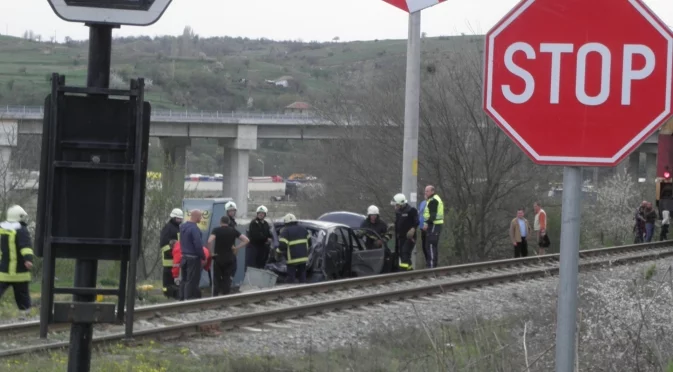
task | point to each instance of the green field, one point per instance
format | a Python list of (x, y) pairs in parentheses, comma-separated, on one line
[(189, 72)]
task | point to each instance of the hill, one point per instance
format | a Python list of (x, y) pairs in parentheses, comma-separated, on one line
[(223, 73)]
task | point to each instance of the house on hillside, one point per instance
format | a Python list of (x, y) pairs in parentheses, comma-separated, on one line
[(298, 108), (283, 81)]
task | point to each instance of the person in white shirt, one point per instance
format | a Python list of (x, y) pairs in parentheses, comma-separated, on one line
[(665, 222)]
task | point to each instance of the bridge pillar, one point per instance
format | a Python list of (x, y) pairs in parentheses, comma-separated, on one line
[(664, 154), (175, 156), (236, 164), (633, 168), (9, 132), (651, 167)]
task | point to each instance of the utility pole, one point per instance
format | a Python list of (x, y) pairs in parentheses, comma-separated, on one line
[(412, 110)]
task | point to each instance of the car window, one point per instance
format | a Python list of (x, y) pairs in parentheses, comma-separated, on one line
[(341, 238), (357, 244)]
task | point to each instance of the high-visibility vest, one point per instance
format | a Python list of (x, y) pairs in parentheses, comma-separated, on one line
[(15, 250), (439, 218)]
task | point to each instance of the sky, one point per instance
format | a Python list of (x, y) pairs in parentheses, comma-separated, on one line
[(308, 20)]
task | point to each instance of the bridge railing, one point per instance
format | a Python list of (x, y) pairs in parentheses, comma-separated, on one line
[(36, 110)]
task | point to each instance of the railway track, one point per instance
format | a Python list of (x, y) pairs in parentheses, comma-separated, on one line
[(275, 305)]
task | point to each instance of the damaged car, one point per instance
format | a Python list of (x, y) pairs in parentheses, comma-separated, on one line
[(337, 251)]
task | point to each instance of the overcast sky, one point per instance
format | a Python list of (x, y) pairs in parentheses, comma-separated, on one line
[(284, 19)]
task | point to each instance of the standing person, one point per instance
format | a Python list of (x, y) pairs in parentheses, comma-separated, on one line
[(193, 258), (421, 211), (518, 234), (433, 220), (406, 223), (665, 222), (540, 227), (639, 228), (230, 209), (222, 243), (374, 223), (294, 241), (650, 218), (16, 256), (171, 231), (257, 253)]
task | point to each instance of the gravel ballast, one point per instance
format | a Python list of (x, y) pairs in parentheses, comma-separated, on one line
[(608, 298)]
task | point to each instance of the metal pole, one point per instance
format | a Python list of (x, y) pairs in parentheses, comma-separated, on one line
[(412, 98), (98, 75), (567, 290), (411, 110)]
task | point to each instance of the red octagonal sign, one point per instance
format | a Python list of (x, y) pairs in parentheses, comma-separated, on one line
[(576, 82)]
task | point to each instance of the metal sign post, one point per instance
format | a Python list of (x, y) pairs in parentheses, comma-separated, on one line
[(412, 98), (550, 84), (568, 272), (94, 157)]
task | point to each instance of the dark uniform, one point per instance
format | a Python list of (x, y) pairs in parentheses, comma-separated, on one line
[(377, 226), (294, 241), (15, 250), (406, 218), (257, 252), (171, 231)]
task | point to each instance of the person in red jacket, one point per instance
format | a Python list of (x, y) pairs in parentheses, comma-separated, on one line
[(177, 256)]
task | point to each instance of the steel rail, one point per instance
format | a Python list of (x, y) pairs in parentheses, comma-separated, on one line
[(146, 312), (284, 313)]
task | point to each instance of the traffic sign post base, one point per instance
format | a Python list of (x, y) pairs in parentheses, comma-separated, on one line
[(568, 274)]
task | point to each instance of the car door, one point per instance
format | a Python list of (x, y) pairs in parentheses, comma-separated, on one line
[(365, 262), (336, 259)]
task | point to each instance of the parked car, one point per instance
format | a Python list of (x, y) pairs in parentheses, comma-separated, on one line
[(337, 252)]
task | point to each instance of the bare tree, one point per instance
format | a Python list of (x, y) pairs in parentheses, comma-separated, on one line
[(159, 201), (17, 185), (611, 220), (476, 169)]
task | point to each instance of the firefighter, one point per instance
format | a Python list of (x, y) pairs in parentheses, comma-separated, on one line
[(433, 220), (260, 237), (406, 223), (294, 241), (230, 209), (171, 231), (16, 256), (376, 224)]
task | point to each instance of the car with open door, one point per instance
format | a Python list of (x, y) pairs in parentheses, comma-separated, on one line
[(337, 251)]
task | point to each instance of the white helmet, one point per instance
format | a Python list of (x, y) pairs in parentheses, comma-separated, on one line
[(262, 209), (372, 210), (399, 199), (229, 206), (177, 213), (16, 214), (289, 218)]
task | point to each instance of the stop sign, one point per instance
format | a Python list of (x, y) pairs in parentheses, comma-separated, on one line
[(576, 82)]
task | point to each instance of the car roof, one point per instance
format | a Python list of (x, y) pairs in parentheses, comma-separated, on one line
[(312, 223)]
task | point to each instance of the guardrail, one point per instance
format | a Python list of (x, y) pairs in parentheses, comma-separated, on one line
[(38, 111)]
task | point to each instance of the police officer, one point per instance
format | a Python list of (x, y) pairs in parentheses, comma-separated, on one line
[(16, 259), (406, 222), (171, 231), (230, 209), (260, 237), (376, 224), (294, 241), (433, 220)]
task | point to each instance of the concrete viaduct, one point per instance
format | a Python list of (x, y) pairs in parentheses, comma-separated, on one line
[(237, 134)]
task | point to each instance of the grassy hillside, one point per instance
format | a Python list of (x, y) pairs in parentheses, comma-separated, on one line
[(190, 72)]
